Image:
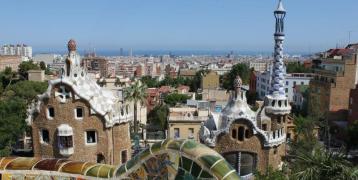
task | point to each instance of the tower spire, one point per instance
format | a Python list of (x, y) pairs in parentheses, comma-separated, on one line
[(277, 86), (276, 102)]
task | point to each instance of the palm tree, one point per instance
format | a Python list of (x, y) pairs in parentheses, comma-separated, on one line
[(136, 93), (322, 164)]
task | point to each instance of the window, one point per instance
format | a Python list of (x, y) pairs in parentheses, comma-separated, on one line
[(91, 137), (241, 133), (286, 83), (288, 136), (45, 136), (286, 90), (191, 133), (65, 142), (101, 158), (302, 83), (247, 133), (264, 127), (79, 113), (50, 112), (233, 133), (294, 83), (244, 163), (176, 133), (124, 156)]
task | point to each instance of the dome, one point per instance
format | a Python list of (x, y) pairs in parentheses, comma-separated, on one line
[(71, 45)]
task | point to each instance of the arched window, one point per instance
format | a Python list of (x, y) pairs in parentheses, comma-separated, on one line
[(68, 67), (247, 133), (243, 162), (122, 111), (50, 112), (127, 109), (241, 133), (246, 164), (279, 120), (100, 158), (234, 134), (264, 127)]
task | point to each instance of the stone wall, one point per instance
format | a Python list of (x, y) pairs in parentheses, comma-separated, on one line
[(253, 143), (65, 114)]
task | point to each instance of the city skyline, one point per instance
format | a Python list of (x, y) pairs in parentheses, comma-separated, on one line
[(176, 25)]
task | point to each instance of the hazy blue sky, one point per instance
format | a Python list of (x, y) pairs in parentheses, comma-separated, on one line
[(241, 25)]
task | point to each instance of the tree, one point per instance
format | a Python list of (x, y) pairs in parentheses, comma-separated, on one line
[(195, 83), (136, 93), (12, 120), (6, 78), (25, 66), (322, 164), (251, 97), (352, 140), (42, 65), (305, 139), (28, 90), (158, 116), (13, 105), (149, 81), (239, 69), (297, 67), (174, 98)]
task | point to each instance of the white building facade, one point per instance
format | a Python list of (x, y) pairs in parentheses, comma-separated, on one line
[(18, 50), (263, 83)]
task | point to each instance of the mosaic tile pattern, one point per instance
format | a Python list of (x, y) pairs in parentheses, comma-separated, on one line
[(169, 159)]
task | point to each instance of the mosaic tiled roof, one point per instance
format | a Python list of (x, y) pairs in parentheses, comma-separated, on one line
[(169, 159), (102, 101), (236, 109)]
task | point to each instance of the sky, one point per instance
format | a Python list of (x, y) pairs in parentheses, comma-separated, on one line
[(239, 25)]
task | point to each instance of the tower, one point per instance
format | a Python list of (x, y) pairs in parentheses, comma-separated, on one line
[(276, 102), (73, 64)]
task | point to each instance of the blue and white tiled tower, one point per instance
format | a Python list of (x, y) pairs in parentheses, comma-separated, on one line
[(276, 102)]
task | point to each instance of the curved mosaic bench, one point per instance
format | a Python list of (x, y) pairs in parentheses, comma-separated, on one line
[(169, 159)]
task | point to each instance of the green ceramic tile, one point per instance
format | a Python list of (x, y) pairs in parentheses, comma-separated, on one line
[(186, 163), (156, 147), (190, 145), (209, 160), (195, 170), (121, 170), (221, 169), (232, 176), (175, 145), (205, 174)]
